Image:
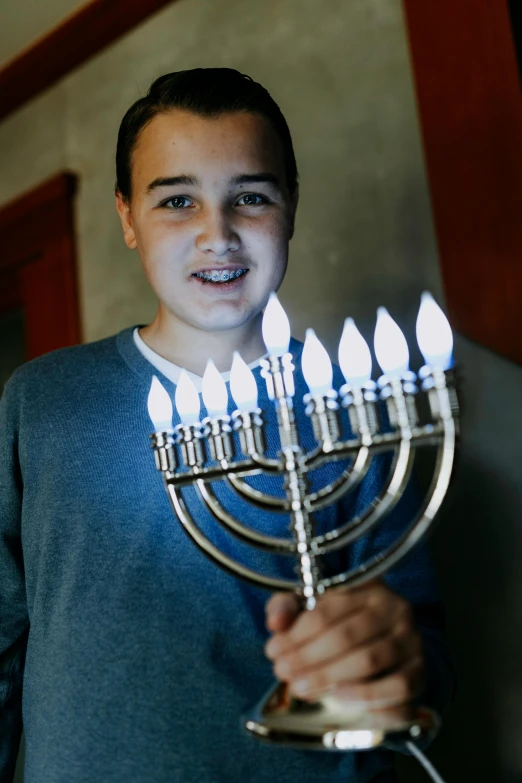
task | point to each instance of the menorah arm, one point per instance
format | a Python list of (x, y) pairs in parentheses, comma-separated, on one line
[(347, 482), (418, 529), (216, 555), (256, 497), (268, 464), (400, 472), (238, 529), (427, 435), (336, 452), (214, 472)]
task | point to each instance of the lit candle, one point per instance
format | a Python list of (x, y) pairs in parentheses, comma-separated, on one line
[(214, 389), (316, 365), (355, 358), (390, 345), (243, 385), (434, 334), (160, 406), (276, 327), (187, 400)]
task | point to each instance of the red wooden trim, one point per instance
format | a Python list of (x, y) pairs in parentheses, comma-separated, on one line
[(36, 219), (38, 264), (50, 302), (470, 108), (60, 187), (79, 37)]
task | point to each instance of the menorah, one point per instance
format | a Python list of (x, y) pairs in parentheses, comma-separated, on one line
[(383, 417)]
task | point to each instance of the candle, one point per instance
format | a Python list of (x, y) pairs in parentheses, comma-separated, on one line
[(355, 358), (243, 385), (187, 400), (214, 389), (316, 365), (390, 345), (276, 327), (160, 406), (434, 334)]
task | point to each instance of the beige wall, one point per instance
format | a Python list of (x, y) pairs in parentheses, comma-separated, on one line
[(342, 78), (24, 22)]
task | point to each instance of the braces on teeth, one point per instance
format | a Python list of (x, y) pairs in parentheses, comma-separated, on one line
[(220, 277)]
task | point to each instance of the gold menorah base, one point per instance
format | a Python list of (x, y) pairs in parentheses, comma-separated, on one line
[(329, 724)]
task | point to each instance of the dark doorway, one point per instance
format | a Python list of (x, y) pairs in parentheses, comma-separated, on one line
[(12, 327), (38, 288), (515, 12)]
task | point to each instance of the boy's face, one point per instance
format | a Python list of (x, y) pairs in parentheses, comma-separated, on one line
[(209, 198)]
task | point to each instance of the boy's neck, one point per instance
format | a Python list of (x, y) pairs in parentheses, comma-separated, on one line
[(190, 348)]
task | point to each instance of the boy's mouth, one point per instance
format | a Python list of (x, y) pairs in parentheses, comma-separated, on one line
[(220, 276)]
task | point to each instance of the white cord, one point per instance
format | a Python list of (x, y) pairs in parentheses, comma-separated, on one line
[(421, 758)]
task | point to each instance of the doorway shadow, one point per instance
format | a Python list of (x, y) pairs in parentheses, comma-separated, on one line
[(476, 548)]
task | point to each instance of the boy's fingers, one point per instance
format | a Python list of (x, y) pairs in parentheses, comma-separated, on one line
[(281, 611)]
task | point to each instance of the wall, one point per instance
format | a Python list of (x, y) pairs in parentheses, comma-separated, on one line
[(24, 22), (364, 237), (343, 81)]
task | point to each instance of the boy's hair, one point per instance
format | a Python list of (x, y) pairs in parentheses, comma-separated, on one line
[(208, 92)]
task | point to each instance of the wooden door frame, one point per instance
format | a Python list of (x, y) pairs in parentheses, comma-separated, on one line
[(80, 36), (467, 81), (38, 264)]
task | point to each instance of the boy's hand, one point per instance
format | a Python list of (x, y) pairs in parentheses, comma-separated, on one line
[(359, 644)]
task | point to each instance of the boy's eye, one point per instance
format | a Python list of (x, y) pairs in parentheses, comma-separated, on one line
[(252, 200), (177, 202)]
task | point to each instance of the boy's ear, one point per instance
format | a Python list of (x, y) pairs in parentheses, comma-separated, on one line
[(295, 201), (124, 211)]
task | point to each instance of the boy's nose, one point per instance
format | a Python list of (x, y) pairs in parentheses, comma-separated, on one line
[(217, 235)]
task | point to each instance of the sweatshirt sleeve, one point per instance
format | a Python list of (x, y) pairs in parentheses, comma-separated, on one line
[(413, 578), (14, 622)]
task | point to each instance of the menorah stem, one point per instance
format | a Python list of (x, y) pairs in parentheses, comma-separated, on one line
[(297, 492), (302, 526)]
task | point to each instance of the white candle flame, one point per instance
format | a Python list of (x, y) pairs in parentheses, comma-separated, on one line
[(160, 406), (276, 327), (187, 400), (355, 358), (316, 365), (214, 389), (390, 345), (243, 385), (434, 334)]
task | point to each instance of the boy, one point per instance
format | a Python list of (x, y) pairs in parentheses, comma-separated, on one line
[(140, 654)]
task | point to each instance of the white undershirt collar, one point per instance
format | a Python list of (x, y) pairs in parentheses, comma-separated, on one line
[(173, 371)]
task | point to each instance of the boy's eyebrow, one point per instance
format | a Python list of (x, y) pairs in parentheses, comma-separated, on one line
[(169, 182), (265, 176), (190, 181)]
